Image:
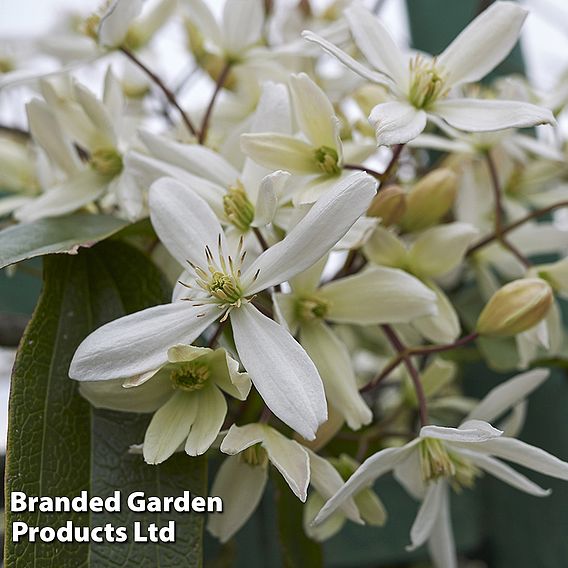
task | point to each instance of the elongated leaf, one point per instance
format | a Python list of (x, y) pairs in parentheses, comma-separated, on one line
[(57, 445), (56, 235)]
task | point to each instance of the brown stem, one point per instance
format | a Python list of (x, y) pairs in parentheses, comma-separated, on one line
[(218, 86), (401, 349), (515, 225), (388, 171), (167, 92), (499, 213), (362, 168), (260, 238)]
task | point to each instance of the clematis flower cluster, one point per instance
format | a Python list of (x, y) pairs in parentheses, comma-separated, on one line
[(322, 264)]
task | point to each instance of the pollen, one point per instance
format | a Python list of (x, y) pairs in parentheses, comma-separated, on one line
[(427, 83), (191, 376)]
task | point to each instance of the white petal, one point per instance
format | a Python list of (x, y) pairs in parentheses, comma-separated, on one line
[(327, 481), (326, 222), (378, 295), (47, 132), (184, 222), (334, 365), (385, 248), (314, 112), (441, 543), (483, 44), (377, 45), (290, 459), (307, 281), (371, 508), (169, 427), (526, 455), (211, 411), (505, 473), (453, 239), (396, 123), (239, 438), (508, 394), (408, 474), (240, 486), (97, 113), (242, 24), (269, 192), (76, 192), (199, 13), (196, 159), (280, 152), (369, 471), (116, 21), (359, 234), (347, 60), (428, 515), (474, 115), (227, 375), (139, 342), (473, 431), (328, 528), (281, 371), (444, 327)]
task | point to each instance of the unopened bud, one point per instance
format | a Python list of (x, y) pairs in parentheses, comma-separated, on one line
[(430, 199), (516, 307), (389, 204)]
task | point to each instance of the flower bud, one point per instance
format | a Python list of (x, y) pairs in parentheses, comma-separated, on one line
[(516, 307), (389, 204), (430, 199)]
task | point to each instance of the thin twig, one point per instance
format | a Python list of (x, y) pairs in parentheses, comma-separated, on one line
[(167, 92), (218, 86)]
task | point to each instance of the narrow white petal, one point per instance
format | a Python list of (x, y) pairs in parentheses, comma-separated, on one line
[(280, 151), (242, 25), (385, 248), (526, 455), (199, 13), (211, 411), (453, 239), (169, 427), (505, 473), (334, 365), (307, 281), (396, 123), (76, 192), (47, 132), (473, 431), (369, 471), (290, 459), (475, 115), (269, 192), (408, 474), (326, 222), (139, 342), (184, 222), (441, 543), (378, 295), (281, 371), (483, 44), (428, 515), (377, 45), (227, 375), (347, 60), (314, 112), (98, 114), (239, 438), (116, 21), (240, 486), (508, 394)]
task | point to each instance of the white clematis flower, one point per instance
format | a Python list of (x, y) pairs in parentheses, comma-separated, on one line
[(421, 86), (442, 457), (185, 394), (241, 480), (281, 371)]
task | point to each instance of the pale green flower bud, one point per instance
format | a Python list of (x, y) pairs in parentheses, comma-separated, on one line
[(389, 204), (516, 307), (430, 199)]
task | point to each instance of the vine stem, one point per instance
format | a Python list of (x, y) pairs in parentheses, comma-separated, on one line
[(207, 117), (401, 349), (170, 96)]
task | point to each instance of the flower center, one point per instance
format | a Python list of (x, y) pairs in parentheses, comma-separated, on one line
[(427, 83), (225, 288), (255, 455), (309, 308), (437, 462), (327, 160), (238, 209), (106, 161), (190, 376), (6, 65)]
